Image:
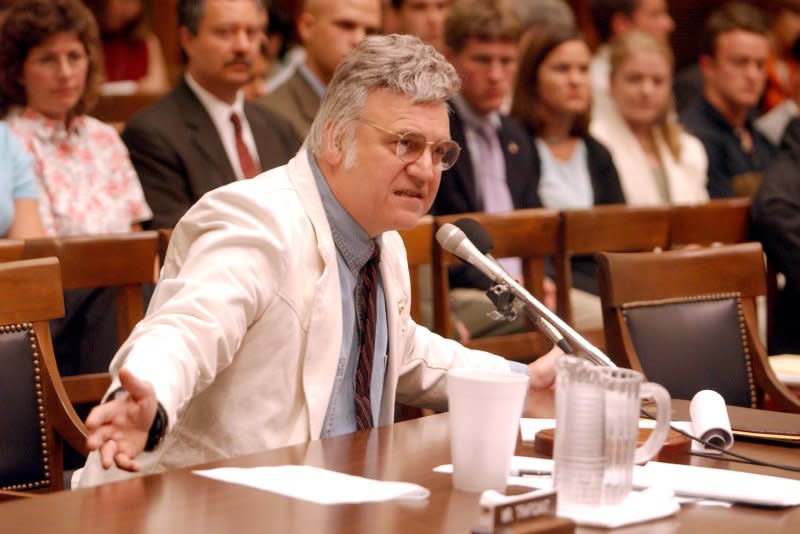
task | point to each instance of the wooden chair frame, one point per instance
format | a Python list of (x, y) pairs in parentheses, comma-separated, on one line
[(718, 221), (123, 261), (419, 251), (613, 228), (649, 276), (32, 297)]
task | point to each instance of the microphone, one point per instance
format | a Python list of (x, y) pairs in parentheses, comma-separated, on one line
[(454, 240), (477, 234)]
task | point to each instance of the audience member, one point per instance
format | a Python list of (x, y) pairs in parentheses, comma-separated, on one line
[(19, 213), (541, 14), (328, 29), (389, 22), (283, 50), (552, 98), (203, 134), (423, 18), (783, 77), (494, 174), (50, 72), (776, 220), (545, 13), (131, 50), (615, 17), (5, 5), (278, 293), (733, 63), (658, 163)]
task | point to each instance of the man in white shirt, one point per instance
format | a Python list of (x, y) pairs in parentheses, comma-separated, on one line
[(203, 134)]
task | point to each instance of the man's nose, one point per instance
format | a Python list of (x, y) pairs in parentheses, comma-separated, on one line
[(242, 40), (424, 168)]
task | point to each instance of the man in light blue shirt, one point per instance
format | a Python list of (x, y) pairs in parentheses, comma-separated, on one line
[(282, 314)]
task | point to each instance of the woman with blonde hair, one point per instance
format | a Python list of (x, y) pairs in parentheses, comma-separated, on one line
[(658, 162)]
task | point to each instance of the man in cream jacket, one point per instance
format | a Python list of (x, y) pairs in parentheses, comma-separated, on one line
[(250, 339)]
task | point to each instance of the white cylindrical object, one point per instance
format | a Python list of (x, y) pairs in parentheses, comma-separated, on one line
[(485, 408), (710, 420)]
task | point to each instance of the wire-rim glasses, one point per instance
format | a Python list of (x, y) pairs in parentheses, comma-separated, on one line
[(411, 145)]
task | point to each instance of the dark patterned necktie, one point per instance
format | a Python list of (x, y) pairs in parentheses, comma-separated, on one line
[(248, 165), (368, 289)]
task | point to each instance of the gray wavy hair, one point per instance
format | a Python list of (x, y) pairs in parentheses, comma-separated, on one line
[(399, 63)]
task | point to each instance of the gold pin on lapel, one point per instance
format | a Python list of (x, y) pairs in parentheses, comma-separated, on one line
[(513, 147), (401, 305)]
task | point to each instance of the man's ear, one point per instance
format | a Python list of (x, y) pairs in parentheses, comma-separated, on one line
[(305, 25), (706, 64), (332, 151), (620, 23), (186, 39)]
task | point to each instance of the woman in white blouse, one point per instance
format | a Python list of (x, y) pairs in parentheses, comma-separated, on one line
[(657, 161)]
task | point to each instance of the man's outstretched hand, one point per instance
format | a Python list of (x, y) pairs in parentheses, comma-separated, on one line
[(118, 428)]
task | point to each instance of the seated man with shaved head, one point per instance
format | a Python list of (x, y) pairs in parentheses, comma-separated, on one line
[(328, 29)]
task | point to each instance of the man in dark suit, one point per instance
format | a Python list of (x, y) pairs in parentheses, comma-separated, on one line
[(202, 134), (495, 171), (329, 30)]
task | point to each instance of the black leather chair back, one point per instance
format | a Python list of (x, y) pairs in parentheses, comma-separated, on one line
[(24, 434), (694, 343)]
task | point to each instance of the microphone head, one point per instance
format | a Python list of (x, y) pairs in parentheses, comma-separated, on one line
[(450, 237), (476, 233)]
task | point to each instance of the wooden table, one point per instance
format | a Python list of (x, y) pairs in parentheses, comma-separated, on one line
[(181, 502)]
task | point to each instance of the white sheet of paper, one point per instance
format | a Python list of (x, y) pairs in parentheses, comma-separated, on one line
[(317, 485), (722, 484)]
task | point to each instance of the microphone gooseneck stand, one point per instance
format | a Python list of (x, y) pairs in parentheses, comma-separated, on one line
[(455, 241)]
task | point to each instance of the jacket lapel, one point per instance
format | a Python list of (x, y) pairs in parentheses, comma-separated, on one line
[(517, 177), (463, 172), (324, 337), (203, 133)]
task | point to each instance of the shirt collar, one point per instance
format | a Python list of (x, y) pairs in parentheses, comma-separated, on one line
[(316, 84), (353, 243), (472, 119), (720, 120), (219, 110)]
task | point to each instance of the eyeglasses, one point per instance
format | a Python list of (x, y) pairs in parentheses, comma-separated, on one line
[(411, 145), (55, 62)]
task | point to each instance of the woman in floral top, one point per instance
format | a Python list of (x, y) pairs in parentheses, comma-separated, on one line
[(50, 73)]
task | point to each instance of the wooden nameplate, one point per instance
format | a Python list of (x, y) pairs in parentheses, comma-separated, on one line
[(529, 512)]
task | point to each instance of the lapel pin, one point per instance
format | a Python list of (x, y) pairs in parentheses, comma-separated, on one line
[(513, 147), (401, 305)]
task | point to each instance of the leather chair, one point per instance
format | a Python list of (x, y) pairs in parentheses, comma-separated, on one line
[(687, 319), (36, 417), (530, 234)]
